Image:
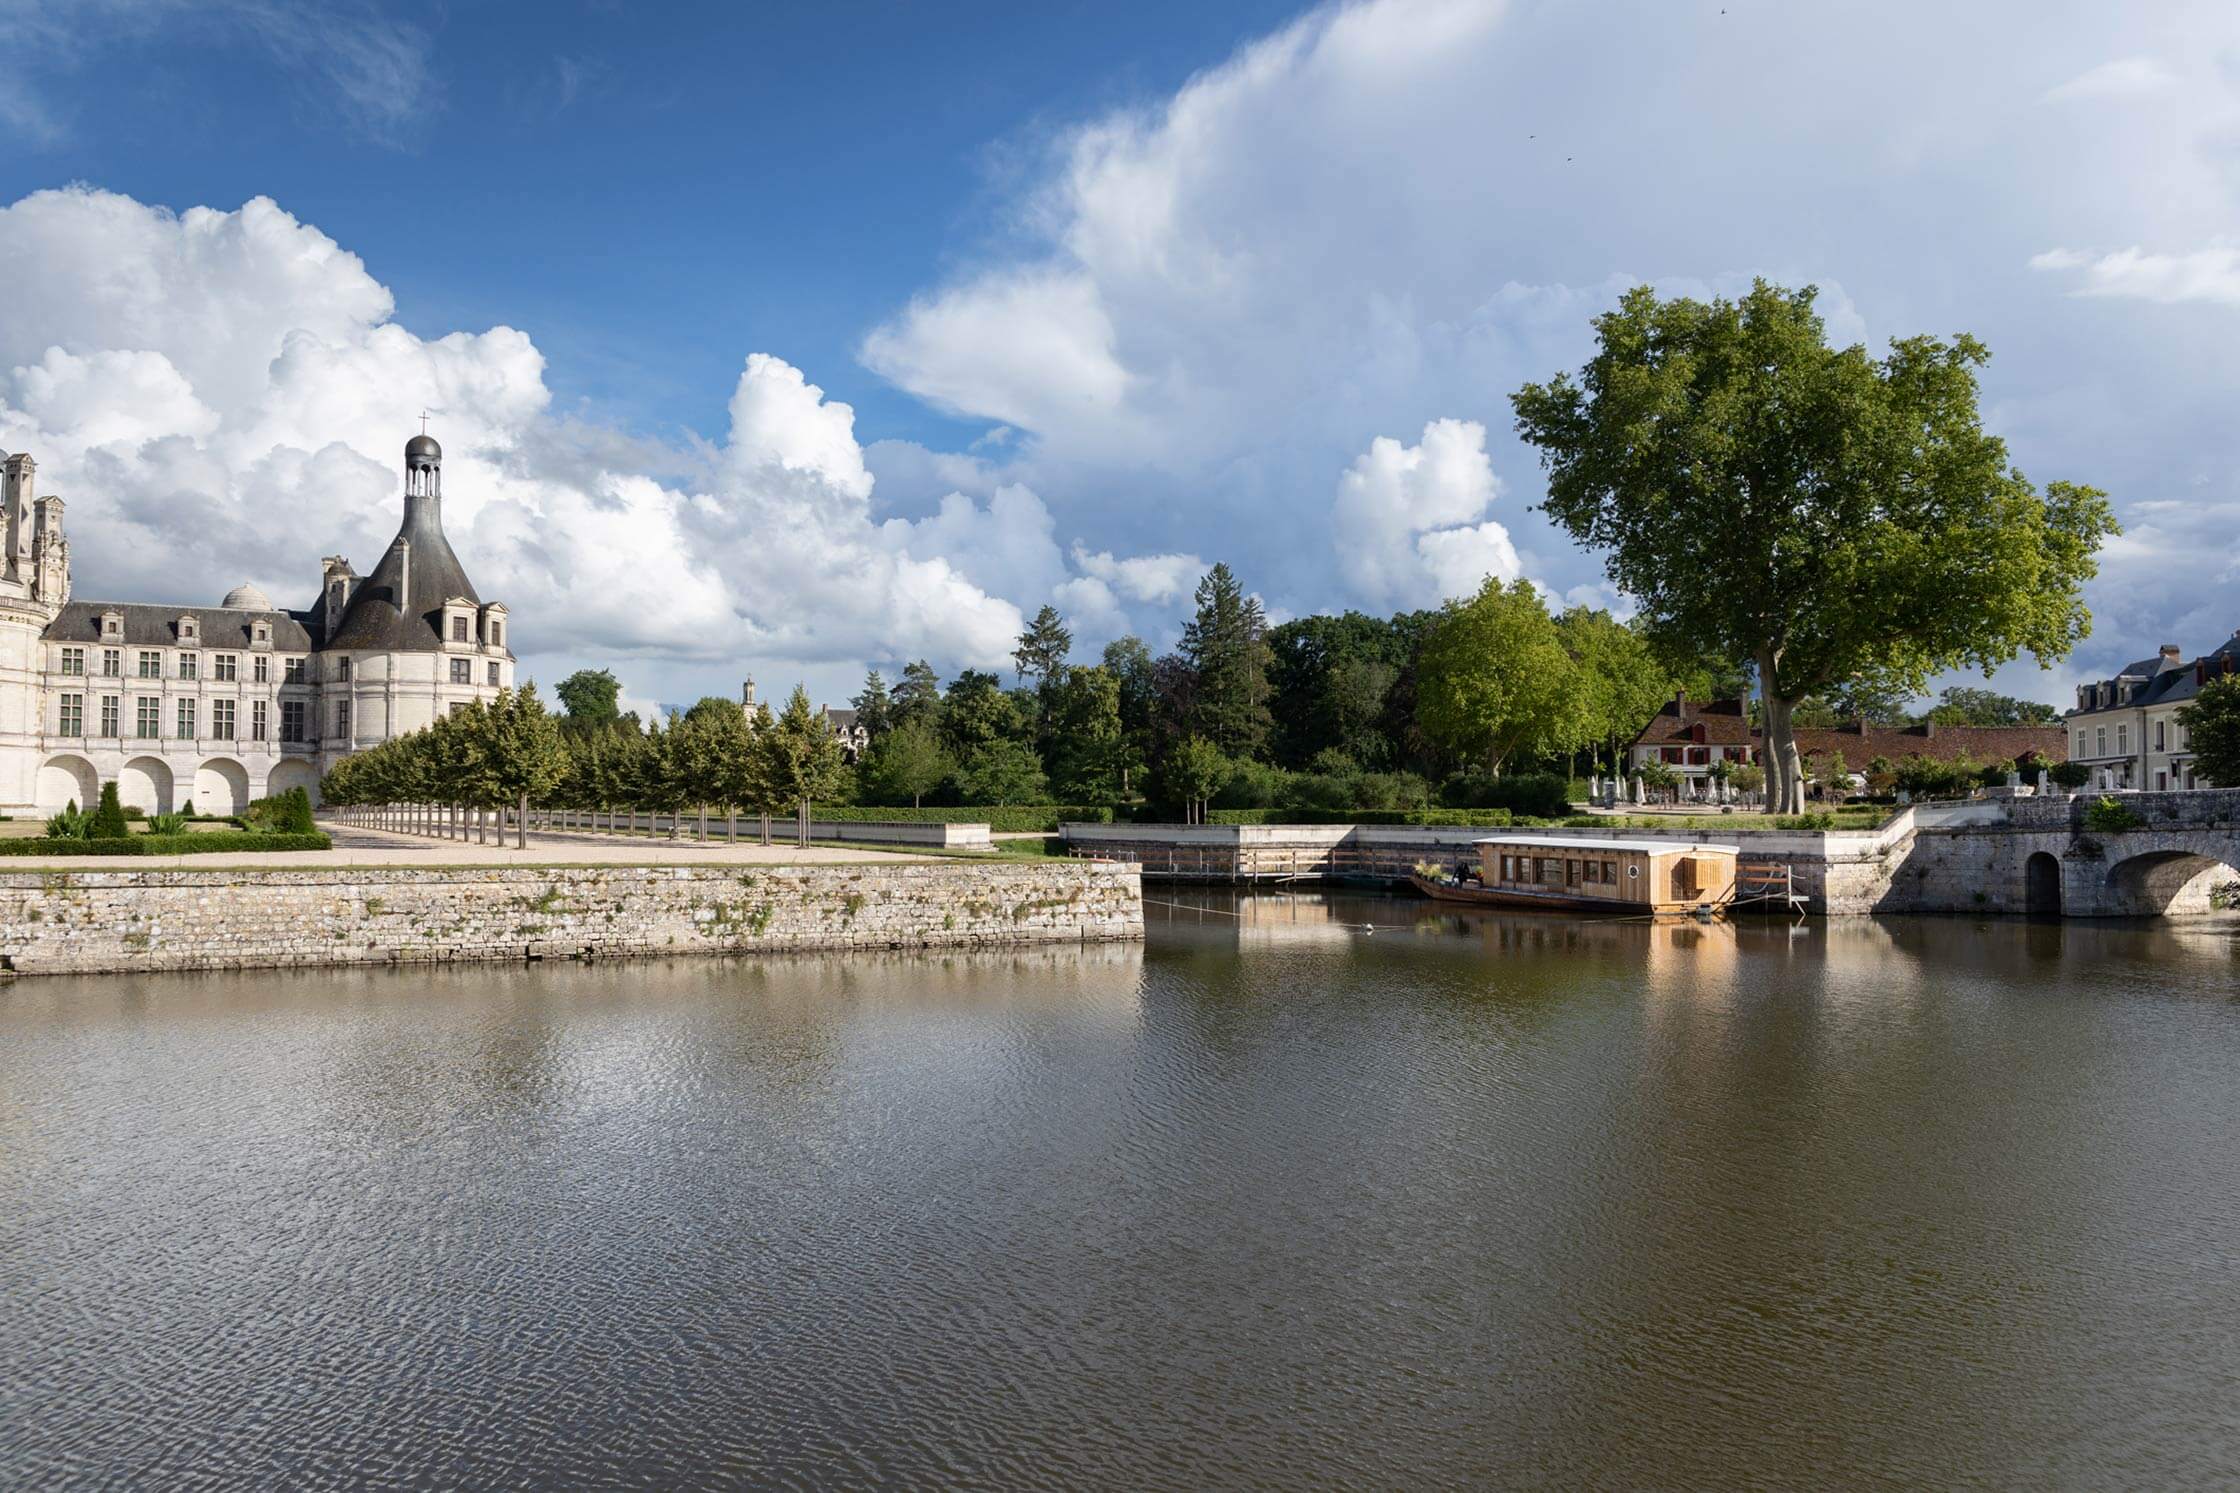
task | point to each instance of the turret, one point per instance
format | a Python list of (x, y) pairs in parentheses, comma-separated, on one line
[(18, 493)]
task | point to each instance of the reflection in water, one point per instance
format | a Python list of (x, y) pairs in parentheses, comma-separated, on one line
[(1474, 1197)]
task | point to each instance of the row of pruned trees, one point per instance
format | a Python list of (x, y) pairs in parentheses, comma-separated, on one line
[(473, 767)]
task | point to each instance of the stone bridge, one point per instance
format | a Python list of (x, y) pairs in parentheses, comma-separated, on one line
[(2043, 856)]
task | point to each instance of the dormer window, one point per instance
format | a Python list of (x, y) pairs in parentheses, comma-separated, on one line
[(112, 625), (458, 629), (497, 634), (261, 635), (190, 631)]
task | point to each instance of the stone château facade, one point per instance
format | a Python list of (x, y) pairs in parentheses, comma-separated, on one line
[(207, 708), (2127, 730)]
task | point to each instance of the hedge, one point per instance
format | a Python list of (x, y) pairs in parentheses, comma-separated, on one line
[(208, 842), (1000, 817), (1458, 818)]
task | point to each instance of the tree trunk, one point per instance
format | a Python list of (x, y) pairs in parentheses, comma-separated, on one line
[(731, 823), (801, 823), (1784, 769), (703, 821), (765, 826), (521, 841)]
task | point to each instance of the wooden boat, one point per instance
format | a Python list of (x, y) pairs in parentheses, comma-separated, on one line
[(1655, 877)]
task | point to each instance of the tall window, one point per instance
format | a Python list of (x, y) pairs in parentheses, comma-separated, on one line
[(257, 719), (112, 662), (262, 669), (225, 666), (291, 720), (74, 662), (493, 676), (2099, 741), (190, 665), (221, 719), (186, 720), (109, 716), (342, 719), (2123, 739), (151, 664), (462, 671), (73, 721), (497, 633), (342, 667), (2161, 730), (291, 672), (458, 629), (144, 717)]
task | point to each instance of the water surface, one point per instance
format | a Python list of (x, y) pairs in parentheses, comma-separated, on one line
[(1269, 1202)]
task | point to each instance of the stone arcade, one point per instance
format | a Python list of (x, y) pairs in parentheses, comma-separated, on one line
[(209, 707)]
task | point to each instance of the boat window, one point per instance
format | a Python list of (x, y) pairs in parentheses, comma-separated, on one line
[(1632, 872), (1609, 872)]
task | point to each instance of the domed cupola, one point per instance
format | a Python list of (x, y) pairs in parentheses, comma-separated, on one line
[(246, 598), (400, 607)]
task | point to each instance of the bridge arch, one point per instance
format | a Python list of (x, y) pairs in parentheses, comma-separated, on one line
[(2170, 881), (2041, 885)]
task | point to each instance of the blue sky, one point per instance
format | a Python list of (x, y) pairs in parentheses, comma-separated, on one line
[(789, 340)]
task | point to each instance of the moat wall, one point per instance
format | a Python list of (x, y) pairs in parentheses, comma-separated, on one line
[(74, 922)]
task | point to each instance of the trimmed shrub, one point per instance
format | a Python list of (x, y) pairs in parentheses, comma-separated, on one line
[(1543, 795), (2071, 775), (287, 813), (187, 844), (69, 824), (108, 822)]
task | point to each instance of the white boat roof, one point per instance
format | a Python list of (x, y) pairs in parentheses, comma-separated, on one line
[(1560, 842)]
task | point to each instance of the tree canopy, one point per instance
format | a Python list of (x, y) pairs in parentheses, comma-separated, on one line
[(2212, 725), (1494, 679), (1816, 511), (590, 696)]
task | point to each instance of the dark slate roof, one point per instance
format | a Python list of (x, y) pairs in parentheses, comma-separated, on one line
[(158, 626), (1723, 723), (378, 618), (840, 720)]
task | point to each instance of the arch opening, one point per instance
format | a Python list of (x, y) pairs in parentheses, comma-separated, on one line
[(221, 786), (145, 784), (293, 774), (2168, 883), (2041, 885), (67, 780)]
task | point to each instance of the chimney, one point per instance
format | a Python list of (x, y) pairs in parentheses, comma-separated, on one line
[(1680, 704), (2171, 657), (1928, 727)]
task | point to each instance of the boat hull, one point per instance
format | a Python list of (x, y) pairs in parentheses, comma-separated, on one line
[(1482, 896)]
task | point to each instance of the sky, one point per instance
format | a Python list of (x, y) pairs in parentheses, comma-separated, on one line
[(788, 341)]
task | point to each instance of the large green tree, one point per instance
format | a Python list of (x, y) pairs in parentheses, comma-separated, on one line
[(1226, 646), (907, 762), (522, 756), (1620, 682), (2212, 727), (1043, 649), (1960, 705), (1817, 511), (1494, 682), (874, 706), (590, 697), (1090, 755), (803, 757), (917, 695)]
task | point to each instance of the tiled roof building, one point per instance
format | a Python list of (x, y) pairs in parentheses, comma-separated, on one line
[(1688, 737)]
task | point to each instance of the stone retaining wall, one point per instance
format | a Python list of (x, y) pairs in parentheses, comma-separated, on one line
[(56, 922)]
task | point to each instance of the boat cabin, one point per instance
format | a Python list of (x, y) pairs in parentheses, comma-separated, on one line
[(1652, 876)]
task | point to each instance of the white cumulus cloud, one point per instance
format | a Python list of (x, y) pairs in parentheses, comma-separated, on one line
[(1407, 522)]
